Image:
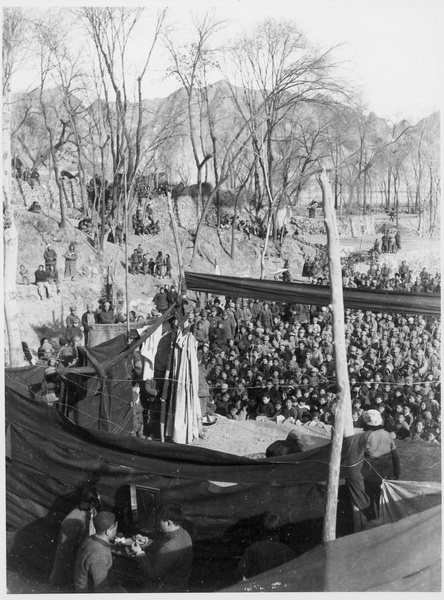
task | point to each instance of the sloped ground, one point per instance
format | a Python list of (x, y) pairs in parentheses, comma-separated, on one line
[(47, 318), (251, 438)]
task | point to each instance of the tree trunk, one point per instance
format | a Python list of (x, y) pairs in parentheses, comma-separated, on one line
[(431, 221), (13, 353), (389, 179), (13, 349), (264, 251), (343, 424), (62, 192)]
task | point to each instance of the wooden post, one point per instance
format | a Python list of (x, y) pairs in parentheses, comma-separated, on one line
[(176, 241), (126, 249), (343, 424)]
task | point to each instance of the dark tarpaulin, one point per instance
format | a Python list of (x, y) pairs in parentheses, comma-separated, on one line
[(50, 457), (399, 557), (173, 460), (97, 392), (102, 400), (318, 295)]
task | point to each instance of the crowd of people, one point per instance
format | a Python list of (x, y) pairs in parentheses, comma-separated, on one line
[(390, 243), (272, 360), (275, 361), (377, 277), (252, 228), (158, 267), (47, 279)]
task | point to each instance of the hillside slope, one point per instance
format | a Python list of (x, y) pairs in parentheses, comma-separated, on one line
[(46, 318)]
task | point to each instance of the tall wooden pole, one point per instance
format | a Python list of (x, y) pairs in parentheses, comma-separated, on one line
[(343, 424), (126, 248), (176, 242)]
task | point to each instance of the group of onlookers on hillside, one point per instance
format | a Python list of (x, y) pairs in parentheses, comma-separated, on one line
[(47, 277), (139, 263)]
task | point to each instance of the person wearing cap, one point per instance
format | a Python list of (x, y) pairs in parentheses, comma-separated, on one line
[(200, 334), (75, 527), (74, 330), (219, 336), (65, 355), (266, 553), (169, 569), (135, 264), (94, 571), (72, 316), (380, 459), (88, 320)]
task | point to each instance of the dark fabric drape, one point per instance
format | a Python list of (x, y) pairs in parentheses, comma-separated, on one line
[(300, 293), (400, 557), (49, 457)]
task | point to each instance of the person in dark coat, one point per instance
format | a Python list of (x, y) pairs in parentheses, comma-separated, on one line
[(76, 527), (167, 266), (161, 300), (94, 571), (50, 257), (41, 281), (73, 331), (106, 315), (169, 569), (292, 445), (159, 265), (267, 553), (88, 320)]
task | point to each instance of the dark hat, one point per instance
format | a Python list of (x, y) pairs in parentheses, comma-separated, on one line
[(104, 520), (73, 308), (62, 341)]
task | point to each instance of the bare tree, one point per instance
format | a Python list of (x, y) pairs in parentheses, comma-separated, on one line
[(14, 40), (50, 34), (111, 30), (189, 64), (279, 73)]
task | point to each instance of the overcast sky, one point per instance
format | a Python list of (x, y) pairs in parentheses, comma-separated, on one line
[(392, 49)]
